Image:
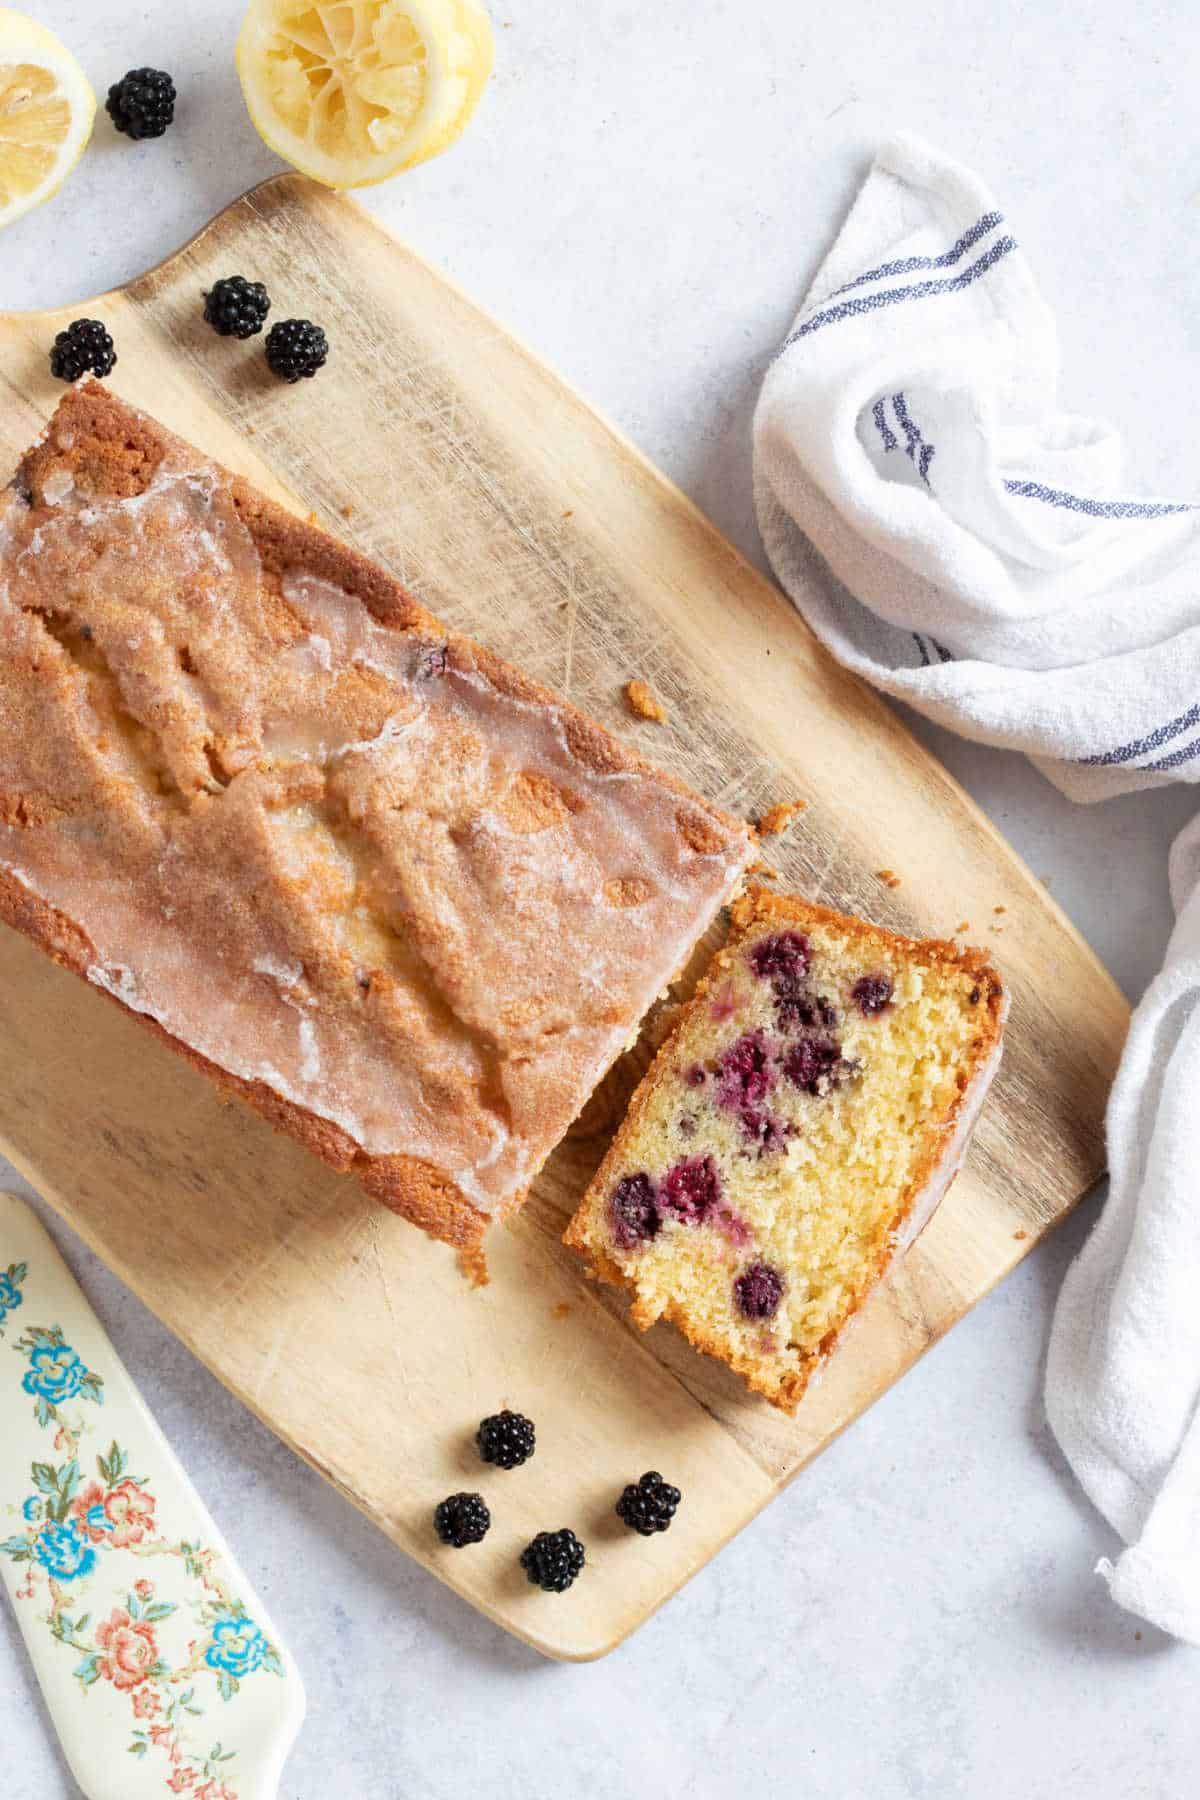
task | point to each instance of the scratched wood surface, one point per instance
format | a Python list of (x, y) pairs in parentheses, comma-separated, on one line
[(446, 450)]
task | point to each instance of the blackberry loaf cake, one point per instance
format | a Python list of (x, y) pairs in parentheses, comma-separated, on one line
[(363, 873), (794, 1134)]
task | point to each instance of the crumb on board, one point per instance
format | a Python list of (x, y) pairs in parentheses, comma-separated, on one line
[(963, 925), (1137, 1637), (348, 510), (314, 518), (250, 430), (644, 703), (561, 1309), (777, 818), (570, 513), (999, 909), (1021, 1235), (888, 877)]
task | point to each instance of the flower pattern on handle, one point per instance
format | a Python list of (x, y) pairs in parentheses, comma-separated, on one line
[(10, 1290), (74, 1525)]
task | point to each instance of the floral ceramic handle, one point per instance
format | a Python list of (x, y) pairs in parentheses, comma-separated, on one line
[(160, 1668)]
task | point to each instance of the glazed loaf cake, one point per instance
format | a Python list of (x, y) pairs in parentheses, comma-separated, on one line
[(794, 1133), (363, 873)]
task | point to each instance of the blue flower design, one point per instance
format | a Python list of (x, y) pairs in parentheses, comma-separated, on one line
[(238, 1645), (61, 1551), (10, 1296), (97, 1519), (56, 1373), (34, 1509)]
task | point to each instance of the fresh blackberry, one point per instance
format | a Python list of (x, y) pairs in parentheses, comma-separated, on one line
[(553, 1560), (649, 1505), (296, 349), (462, 1519), (236, 307), (506, 1439), (85, 344), (142, 103)]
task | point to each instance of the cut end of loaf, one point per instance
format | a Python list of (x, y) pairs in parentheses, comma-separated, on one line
[(795, 1131)]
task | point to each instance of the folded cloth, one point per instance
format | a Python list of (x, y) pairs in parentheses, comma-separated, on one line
[(960, 542)]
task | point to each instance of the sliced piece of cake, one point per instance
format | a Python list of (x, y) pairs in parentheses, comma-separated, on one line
[(794, 1134), (397, 896)]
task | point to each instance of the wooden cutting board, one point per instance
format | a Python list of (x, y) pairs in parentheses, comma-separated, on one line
[(443, 448)]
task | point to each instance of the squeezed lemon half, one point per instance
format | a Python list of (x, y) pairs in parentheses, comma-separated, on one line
[(46, 111), (351, 91)]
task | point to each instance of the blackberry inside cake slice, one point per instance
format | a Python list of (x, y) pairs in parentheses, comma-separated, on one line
[(794, 1134)]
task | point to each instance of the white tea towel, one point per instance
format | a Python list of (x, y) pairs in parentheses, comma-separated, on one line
[(960, 542)]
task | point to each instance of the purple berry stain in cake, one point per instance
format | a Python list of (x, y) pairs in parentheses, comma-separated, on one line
[(696, 1076), (814, 1063), (784, 960), (633, 1214), (745, 1072), (871, 993), (758, 1291), (765, 1131), (723, 1004), (691, 1191)]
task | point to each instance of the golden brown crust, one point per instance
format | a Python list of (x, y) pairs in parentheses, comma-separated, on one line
[(116, 450), (410, 1187), (111, 450), (756, 907)]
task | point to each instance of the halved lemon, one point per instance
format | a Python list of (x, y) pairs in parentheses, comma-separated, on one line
[(351, 91), (46, 111)]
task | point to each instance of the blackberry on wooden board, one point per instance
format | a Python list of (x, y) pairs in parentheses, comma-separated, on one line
[(553, 1560), (84, 346), (506, 1439)]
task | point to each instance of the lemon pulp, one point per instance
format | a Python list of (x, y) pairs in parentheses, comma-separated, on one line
[(46, 113), (350, 91)]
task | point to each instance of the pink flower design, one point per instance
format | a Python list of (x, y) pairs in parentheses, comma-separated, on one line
[(143, 1589), (130, 1513), (179, 1779), (119, 1516), (145, 1703), (88, 1510), (130, 1649), (160, 1734)]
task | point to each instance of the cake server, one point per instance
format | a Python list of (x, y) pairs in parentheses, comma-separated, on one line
[(160, 1668)]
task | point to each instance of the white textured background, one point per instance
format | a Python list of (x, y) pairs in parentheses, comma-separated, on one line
[(643, 197)]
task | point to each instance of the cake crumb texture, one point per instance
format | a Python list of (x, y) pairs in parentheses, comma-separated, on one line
[(795, 1131), (644, 703), (777, 818), (368, 877)]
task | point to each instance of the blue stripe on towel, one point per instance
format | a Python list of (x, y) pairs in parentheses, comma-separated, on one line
[(885, 431), (908, 264), (920, 290), (1099, 509), (1184, 754), (1154, 740), (912, 434)]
